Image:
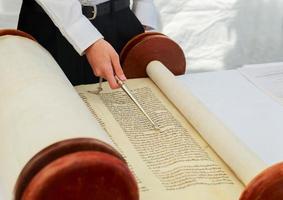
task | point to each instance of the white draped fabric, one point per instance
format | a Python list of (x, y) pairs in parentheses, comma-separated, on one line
[(215, 34)]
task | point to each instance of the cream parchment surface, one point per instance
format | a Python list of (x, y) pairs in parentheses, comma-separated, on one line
[(173, 163)]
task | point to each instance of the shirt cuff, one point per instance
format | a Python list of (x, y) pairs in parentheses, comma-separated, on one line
[(82, 34), (146, 13)]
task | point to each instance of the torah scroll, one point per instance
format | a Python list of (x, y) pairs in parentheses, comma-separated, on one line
[(39, 108)]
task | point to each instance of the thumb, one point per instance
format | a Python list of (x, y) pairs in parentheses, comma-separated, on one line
[(117, 67)]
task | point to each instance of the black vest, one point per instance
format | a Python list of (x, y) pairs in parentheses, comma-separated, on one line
[(117, 28)]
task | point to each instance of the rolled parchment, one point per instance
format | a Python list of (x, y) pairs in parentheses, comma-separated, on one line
[(50, 144)]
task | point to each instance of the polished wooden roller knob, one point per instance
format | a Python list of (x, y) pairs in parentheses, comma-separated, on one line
[(76, 169), (266, 186), (151, 46)]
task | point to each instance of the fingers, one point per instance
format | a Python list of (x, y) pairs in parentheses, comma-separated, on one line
[(117, 67), (109, 76), (105, 62)]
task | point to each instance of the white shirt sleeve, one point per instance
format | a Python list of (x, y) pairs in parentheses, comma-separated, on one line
[(78, 30), (146, 12), (75, 27)]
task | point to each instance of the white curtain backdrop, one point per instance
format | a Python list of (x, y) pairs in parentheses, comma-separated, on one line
[(214, 34), (225, 34)]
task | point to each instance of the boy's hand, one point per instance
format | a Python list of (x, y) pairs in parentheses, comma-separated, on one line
[(105, 62)]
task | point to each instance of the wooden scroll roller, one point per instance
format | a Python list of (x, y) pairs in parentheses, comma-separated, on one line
[(266, 186), (148, 47), (48, 149), (81, 168)]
